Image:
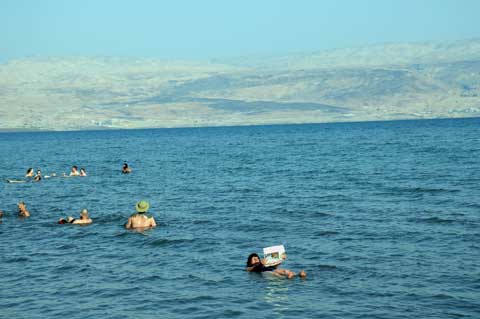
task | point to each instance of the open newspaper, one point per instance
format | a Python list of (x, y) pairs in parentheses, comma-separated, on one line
[(274, 255)]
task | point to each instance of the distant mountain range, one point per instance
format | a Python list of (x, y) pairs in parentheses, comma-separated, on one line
[(382, 82)]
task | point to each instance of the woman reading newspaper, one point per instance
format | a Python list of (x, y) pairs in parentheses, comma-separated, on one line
[(258, 265)]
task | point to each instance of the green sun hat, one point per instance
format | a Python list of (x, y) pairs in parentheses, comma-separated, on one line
[(142, 206)]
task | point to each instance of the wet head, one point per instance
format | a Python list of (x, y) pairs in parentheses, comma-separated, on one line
[(253, 259)]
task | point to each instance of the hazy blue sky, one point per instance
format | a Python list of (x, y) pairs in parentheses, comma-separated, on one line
[(219, 28)]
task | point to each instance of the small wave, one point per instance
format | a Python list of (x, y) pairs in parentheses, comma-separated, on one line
[(66, 247), (472, 205), (432, 220), (232, 313), (443, 297), (187, 300), (121, 234), (201, 222), (17, 259), (65, 267), (323, 214), (326, 233), (416, 190), (327, 267), (153, 277), (168, 242)]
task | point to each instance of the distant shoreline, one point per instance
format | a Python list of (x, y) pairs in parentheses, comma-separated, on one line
[(18, 130)]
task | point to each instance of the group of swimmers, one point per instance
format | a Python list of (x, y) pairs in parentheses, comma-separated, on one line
[(141, 221), (38, 177), (73, 172)]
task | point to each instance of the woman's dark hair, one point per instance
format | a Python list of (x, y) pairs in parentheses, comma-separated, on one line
[(125, 165), (249, 260), (30, 169)]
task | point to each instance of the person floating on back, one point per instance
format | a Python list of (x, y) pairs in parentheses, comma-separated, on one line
[(139, 219), (255, 264), (126, 169), (84, 219), (22, 210)]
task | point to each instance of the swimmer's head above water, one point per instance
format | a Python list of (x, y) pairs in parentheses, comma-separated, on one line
[(253, 259), (126, 169), (84, 214), (29, 172)]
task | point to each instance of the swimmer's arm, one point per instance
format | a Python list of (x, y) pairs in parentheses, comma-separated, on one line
[(129, 223), (252, 268), (278, 273), (284, 273), (153, 223)]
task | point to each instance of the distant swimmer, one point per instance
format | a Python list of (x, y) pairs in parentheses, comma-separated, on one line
[(22, 210), (74, 171), (126, 169), (255, 264), (83, 172), (29, 172), (84, 219), (38, 177), (1, 214), (140, 220)]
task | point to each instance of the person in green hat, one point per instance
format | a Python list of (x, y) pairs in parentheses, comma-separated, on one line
[(140, 219)]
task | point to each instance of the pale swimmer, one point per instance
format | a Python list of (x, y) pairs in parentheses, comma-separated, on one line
[(74, 171), (83, 220)]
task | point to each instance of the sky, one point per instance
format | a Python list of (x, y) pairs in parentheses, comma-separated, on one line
[(205, 29)]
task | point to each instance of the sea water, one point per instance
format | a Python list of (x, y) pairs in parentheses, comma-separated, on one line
[(383, 216)]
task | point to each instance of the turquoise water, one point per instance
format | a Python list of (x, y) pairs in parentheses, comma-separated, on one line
[(384, 217)]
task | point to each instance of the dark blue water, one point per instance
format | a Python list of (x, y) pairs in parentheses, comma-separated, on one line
[(384, 217)]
